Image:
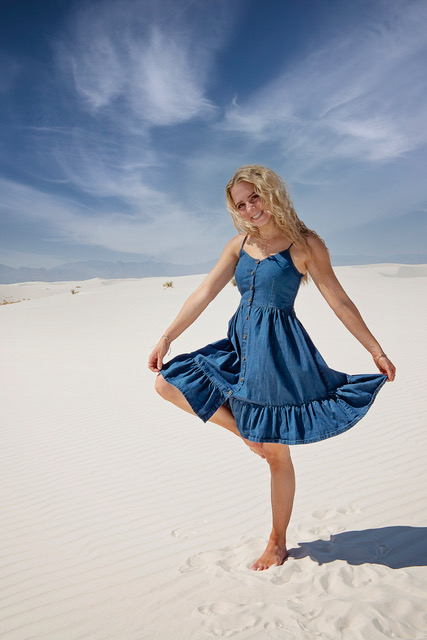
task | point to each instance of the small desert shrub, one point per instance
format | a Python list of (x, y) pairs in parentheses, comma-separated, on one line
[(73, 291), (168, 285), (10, 301)]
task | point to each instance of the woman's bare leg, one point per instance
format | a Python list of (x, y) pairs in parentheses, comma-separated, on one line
[(223, 416), (282, 498), (281, 469)]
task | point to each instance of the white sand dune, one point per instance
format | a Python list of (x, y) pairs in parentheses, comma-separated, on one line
[(123, 519)]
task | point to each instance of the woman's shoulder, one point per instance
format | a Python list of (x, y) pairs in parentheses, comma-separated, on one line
[(319, 254), (314, 251), (316, 245), (235, 244), (231, 251)]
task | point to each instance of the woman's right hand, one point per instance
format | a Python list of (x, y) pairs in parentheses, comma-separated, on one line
[(155, 359)]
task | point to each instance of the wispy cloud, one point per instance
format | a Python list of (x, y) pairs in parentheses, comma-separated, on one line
[(129, 57), (138, 231), (357, 97), (131, 67), (127, 68), (103, 165)]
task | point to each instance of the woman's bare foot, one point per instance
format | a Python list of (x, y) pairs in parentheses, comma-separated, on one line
[(275, 554)]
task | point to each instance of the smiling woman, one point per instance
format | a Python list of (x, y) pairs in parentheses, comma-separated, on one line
[(277, 220), (266, 382)]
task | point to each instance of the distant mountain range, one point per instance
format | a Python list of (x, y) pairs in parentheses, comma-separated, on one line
[(98, 269), (401, 258), (111, 270)]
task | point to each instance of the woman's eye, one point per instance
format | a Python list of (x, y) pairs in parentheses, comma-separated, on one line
[(254, 197)]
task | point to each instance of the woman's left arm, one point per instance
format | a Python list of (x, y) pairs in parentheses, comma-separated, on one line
[(320, 269)]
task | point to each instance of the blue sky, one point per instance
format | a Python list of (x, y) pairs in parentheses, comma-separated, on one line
[(122, 120)]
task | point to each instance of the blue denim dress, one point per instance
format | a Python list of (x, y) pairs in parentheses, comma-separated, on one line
[(267, 370)]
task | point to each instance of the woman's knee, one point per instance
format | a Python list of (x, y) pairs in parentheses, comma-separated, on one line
[(277, 455), (163, 388)]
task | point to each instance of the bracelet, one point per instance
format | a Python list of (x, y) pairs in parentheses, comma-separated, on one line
[(170, 344), (381, 355)]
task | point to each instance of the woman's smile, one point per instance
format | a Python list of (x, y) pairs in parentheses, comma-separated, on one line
[(249, 204)]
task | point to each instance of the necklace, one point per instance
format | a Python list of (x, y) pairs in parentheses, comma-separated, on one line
[(265, 245)]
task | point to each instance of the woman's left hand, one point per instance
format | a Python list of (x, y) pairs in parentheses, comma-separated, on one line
[(386, 367)]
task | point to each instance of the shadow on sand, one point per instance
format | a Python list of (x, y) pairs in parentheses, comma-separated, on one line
[(394, 547)]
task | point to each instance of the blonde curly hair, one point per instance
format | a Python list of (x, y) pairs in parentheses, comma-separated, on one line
[(273, 191)]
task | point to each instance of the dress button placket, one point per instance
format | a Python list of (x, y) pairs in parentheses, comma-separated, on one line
[(245, 329)]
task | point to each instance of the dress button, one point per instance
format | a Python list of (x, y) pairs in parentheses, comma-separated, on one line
[(244, 336), (230, 393), (258, 261), (251, 287), (244, 358), (241, 379), (249, 299), (252, 272), (246, 317)]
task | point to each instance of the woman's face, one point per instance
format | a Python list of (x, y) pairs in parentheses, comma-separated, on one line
[(249, 204)]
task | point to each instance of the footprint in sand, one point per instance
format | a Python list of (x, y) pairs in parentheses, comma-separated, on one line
[(277, 631), (226, 619), (198, 561), (329, 519), (182, 533), (382, 550), (324, 532), (321, 514), (238, 557), (349, 509), (324, 514), (309, 633), (190, 531), (289, 573)]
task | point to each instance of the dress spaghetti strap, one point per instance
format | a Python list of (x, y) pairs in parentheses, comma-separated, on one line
[(243, 243)]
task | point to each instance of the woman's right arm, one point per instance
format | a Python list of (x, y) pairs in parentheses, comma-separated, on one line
[(197, 302)]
